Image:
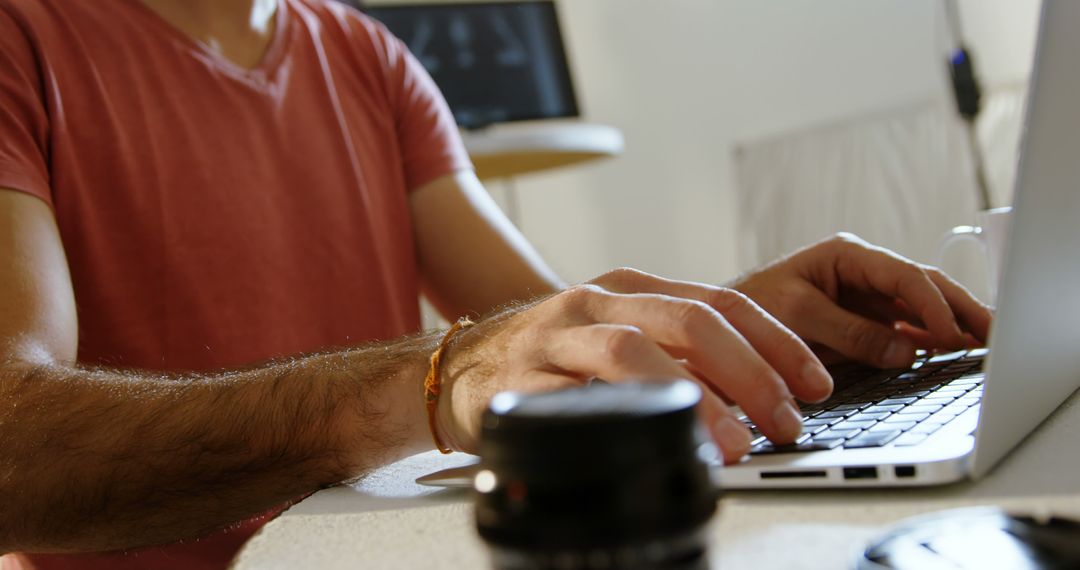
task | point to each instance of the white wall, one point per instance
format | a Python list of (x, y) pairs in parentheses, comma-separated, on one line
[(686, 79)]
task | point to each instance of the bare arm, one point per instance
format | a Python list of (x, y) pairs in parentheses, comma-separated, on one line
[(471, 257), (94, 459)]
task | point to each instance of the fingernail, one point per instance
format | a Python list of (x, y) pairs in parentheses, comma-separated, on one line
[(788, 421), (818, 380), (899, 353), (733, 435)]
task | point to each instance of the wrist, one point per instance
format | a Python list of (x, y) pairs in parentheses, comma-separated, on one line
[(383, 417), (438, 393)]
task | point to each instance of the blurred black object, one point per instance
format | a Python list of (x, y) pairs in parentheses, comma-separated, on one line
[(966, 88), (976, 538), (967, 93), (606, 476)]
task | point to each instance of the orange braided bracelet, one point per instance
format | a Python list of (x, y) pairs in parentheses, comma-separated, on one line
[(433, 383)]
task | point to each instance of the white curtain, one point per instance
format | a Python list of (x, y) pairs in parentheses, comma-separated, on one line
[(901, 179)]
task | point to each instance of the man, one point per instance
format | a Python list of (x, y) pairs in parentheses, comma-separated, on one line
[(191, 188)]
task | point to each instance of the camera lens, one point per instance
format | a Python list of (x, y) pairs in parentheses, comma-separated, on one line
[(604, 476)]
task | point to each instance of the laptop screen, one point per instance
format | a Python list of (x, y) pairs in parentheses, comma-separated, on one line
[(494, 61)]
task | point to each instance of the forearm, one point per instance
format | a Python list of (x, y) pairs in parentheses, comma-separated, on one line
[(98, 460), (472, 259)]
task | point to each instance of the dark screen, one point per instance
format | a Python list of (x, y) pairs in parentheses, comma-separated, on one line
[(494, 62)]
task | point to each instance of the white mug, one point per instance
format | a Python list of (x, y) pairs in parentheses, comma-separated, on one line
[(990, 234)]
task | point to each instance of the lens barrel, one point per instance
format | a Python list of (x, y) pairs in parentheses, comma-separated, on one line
[(604, 476)]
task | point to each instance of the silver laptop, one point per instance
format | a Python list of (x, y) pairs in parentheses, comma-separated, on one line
[(955, 416)]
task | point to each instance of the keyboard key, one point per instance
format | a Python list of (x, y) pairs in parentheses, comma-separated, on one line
[(849, 394), (850, 424), (956, 408), (950, 392), (935, 401), (831, 414), (969, 400), (868, 416), (948, 357), (887, 426), (849, 407), (878, 394), (838, 437), (913, 393), (872, 439), (977, 354), (802, 438), (905, 378), (880, 408), (900, 401), (817, 421), (922, 408), (818, 445), (910, 439), (942, 417), (837, 434), (796, 448), (966, 423), (905, 417), (927, 427), (958, 370)]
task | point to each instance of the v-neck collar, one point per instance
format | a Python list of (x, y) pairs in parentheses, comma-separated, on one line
[(262, 72)]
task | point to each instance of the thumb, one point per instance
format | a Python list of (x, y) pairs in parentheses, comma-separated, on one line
[(855, 336)]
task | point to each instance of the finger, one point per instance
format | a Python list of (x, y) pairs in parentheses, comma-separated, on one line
[(852, 335), (895, 276), (695, 331), (779, 346), (828, 356), (973, 315), (696, 374), (885, 310), (924, 340), (620, 353)]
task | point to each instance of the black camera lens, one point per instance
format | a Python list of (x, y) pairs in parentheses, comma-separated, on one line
[(604, 476)]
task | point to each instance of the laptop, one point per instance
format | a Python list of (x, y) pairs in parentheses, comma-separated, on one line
[(955, 416)]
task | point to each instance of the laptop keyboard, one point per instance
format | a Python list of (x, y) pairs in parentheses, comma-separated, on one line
[(899, 407)]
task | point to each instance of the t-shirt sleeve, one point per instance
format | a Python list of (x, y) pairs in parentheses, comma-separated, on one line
[(24, 122), (430, 142)]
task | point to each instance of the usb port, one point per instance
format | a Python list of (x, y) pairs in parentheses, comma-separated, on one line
[(905, 471), (860, 473)]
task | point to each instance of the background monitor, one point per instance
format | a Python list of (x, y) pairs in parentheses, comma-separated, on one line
[(494, 61)]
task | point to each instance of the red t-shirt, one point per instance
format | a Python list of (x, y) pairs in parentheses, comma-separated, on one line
[(213, 216)]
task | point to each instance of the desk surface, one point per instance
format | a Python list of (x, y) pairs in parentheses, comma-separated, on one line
[(506, 151), (387, 521)]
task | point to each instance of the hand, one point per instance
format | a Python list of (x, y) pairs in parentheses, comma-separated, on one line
[(628, 325), (848, 298)]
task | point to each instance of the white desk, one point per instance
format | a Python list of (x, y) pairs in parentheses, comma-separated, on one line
[(506, 151), (503, 152), (387, 521)]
